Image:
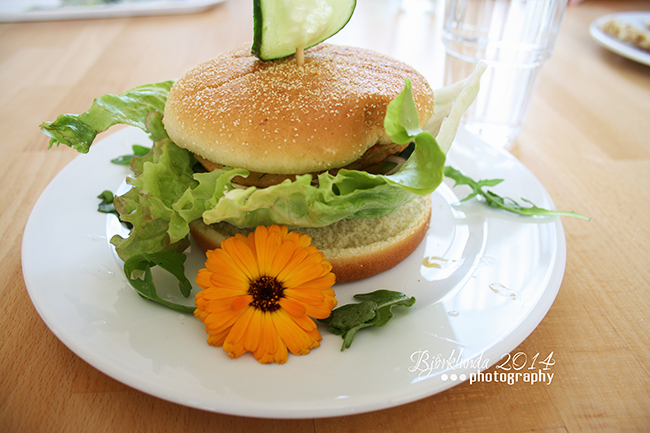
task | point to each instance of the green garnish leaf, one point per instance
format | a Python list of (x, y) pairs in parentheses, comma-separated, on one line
[(138, 271), (138, 151), (505, 203), (106, 205), (374, 310), (122, 160)]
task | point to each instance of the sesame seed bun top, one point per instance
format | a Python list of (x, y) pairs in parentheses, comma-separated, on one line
[(279, 117)]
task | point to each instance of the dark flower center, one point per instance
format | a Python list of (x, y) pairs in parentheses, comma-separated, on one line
[(266, 292)]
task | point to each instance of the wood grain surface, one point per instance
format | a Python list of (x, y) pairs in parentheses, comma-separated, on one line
[(587, 139)]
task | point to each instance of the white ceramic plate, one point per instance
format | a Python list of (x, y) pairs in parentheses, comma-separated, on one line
[(483, 280), (638, 19), (43, 10)]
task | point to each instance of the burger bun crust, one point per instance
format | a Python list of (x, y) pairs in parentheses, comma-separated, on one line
[(356, 248), (282, 118)]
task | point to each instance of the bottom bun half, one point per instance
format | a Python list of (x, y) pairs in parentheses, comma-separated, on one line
[(356, 248)]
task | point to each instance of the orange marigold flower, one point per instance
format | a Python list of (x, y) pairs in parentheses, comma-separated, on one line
[(260, 292)]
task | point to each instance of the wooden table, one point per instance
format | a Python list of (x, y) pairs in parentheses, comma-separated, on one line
[(587, 139)]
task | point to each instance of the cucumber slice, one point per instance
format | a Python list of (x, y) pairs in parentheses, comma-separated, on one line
[(281, 27)]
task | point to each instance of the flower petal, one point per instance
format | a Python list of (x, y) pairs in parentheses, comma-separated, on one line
[(242, 256), (233, 343), (217, 306), (324, 282), (292, 307), (318, 303), (305, 322), (309, 269), (215, 323), (203, 277), (271, 348), (222, 293), (301, 240), (299, 255), (305, 296), (241, 302), (267, 242), (220, 262), (233, 302), (297, 340), (253, 335), (217, 339), (282, 257), (257, 242), (229, 281)]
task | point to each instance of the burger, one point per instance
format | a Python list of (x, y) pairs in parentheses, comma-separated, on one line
[(346, 147), (278, 121)]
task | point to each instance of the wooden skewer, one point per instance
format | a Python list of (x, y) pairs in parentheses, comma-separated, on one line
[(300, 56)]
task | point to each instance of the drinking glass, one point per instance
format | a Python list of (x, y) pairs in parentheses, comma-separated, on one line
[(514, 38)]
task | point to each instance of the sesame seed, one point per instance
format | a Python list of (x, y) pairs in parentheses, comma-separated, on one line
[(237, 95)]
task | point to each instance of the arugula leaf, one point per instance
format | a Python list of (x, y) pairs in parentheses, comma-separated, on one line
[(140, 265), (106, 205), (374, 310), (504, 203), (138, 151)]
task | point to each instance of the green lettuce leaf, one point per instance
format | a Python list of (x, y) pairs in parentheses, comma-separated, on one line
[(167, 194), (148, 206), (131, 108), (349, 194), (423, 171), (356, 194)]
